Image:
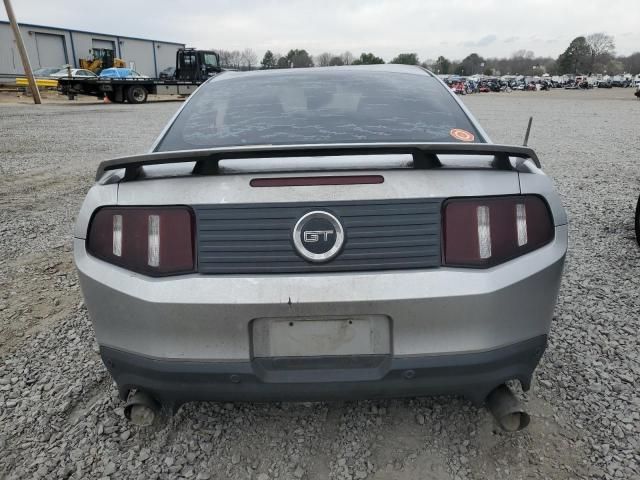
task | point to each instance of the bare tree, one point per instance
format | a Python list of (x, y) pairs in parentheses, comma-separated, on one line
[(323, 59), (224, 58), (603, 49), (248, 58), (234, 59), (601, 43), (347, 57)]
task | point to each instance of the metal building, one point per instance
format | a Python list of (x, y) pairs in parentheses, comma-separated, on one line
[(52, 47)]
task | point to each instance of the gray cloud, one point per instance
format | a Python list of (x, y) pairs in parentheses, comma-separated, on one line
[(384, 27), (482, 42)]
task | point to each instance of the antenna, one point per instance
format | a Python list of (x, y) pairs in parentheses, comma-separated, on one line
[(526, 135)]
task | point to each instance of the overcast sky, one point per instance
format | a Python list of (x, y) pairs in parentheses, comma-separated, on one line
[(453, 28)]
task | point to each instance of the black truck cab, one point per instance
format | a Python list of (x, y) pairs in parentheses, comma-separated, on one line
[(196, 65)]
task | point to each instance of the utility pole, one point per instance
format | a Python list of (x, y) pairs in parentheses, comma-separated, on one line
[(23, 53)]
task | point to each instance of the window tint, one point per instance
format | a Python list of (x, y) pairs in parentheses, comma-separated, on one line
[(314, 106)]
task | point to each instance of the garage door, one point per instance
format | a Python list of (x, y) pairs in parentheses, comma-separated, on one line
[(51, 50), (103, 45)]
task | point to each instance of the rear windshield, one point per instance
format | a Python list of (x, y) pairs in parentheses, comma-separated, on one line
[(313, 106)]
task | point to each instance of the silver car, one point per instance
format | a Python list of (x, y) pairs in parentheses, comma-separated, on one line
[(322, 233)]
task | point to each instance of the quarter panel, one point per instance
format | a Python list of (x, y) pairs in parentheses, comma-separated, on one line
[(98, 196), (537, 182)]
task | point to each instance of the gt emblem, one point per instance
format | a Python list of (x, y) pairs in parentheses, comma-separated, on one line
[(312, 236), (318, 236)]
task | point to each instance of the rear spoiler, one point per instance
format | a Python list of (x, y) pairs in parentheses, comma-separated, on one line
[(425, 155)]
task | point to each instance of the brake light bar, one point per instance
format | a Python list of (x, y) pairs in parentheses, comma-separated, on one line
[(483, 232), (319, 180), (156, 241)]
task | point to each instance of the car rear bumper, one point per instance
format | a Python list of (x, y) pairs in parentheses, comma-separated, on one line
[(431, 311), (473, 375)]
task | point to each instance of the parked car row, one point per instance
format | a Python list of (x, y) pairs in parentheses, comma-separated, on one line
[(462, 86), (475, 84)]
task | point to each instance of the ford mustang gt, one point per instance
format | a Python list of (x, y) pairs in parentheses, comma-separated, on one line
[(322, 233)]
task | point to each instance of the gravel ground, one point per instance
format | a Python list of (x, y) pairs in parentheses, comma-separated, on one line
[(59, 413)]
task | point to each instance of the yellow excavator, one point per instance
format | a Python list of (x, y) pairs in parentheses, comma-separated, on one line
[(100, 59)]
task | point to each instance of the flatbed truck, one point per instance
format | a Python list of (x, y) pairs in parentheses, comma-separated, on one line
[(193, 67)]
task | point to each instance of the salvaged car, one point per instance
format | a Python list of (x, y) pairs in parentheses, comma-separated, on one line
[(458, 88), (322, 233), (74, 73), (120, 73)]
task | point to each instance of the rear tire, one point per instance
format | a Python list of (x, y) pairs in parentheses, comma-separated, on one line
[(137, 94)]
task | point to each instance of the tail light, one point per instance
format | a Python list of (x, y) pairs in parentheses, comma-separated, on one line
[(483, 232), (149, 240)]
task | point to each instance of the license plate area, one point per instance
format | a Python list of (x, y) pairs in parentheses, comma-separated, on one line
[(306, 337)]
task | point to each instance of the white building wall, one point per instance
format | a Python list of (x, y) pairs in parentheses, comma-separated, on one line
[(10, 62), (79, 44), (139, 55), (166, 55)]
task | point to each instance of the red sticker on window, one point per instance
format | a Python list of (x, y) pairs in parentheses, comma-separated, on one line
[(462, 135)]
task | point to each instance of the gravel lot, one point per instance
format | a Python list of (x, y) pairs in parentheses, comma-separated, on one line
[(59, 413)]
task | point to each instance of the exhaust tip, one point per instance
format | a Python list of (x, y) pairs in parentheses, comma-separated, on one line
[(141, 409), (514, 422), (507, 409)]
